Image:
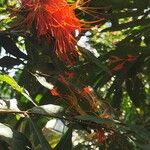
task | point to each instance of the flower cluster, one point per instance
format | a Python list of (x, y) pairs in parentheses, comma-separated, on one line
[(54, 20)]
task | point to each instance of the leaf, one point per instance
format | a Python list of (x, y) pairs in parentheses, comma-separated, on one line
[(14, 138), (2, 2), (38, 136), (9, 45), (65, 141), (9, 62), (43, 82), (116, 101), (50, 109), (10, 104), (140, 132), (9, 80), (95, 119), (135, 89), (144, 147), (93, 59)]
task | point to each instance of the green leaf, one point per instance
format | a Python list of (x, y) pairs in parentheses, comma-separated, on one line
[(144, 147), (2, 2), (95, 119), (9, 80), (66, 141), (94, 60), (38, 136)]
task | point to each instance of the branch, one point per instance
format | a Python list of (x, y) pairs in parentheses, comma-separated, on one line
[(83, 123)]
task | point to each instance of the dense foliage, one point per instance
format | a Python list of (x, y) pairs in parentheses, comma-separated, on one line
[(66, 92)]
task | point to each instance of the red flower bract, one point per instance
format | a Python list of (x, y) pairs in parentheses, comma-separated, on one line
[(54, 19)]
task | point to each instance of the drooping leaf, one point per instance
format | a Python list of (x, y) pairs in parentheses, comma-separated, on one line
[(9, 80), (93, 59), (135, 89), (50, 109), (39, 138), (65, 141), (43, 82)]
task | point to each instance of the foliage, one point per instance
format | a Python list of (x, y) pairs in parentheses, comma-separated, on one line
[(93, 103)]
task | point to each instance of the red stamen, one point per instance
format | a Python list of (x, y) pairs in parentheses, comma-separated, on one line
[(87, 89), (54, 92), (57, 19), (100, 136)]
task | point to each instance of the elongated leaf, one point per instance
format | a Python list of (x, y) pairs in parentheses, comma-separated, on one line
[(9, 62), (95, 60), (95, 119), (43, 82), (66, 141), (47, 109), (135, 89), (10, 47), (38, 136), (9, 80), (116, 101)]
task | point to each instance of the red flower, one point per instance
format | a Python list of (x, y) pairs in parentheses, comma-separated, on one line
[(131, 58), (54, 19), (118, 67), (100, 136), (87, 89), (54, 92), (70, 75)]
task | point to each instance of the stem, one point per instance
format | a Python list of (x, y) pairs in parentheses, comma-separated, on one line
[(84, 123)]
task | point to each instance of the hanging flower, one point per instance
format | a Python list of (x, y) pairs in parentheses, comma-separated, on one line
[(54, 92), (53, 19), (87, 89), (119, 67), (131, 58)]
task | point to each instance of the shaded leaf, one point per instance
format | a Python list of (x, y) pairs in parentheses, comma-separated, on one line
[(65, 141), (38, 136), (93, 59), (135, 89), (95, 119), (116, 101), (9, 45), (9, 62)]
